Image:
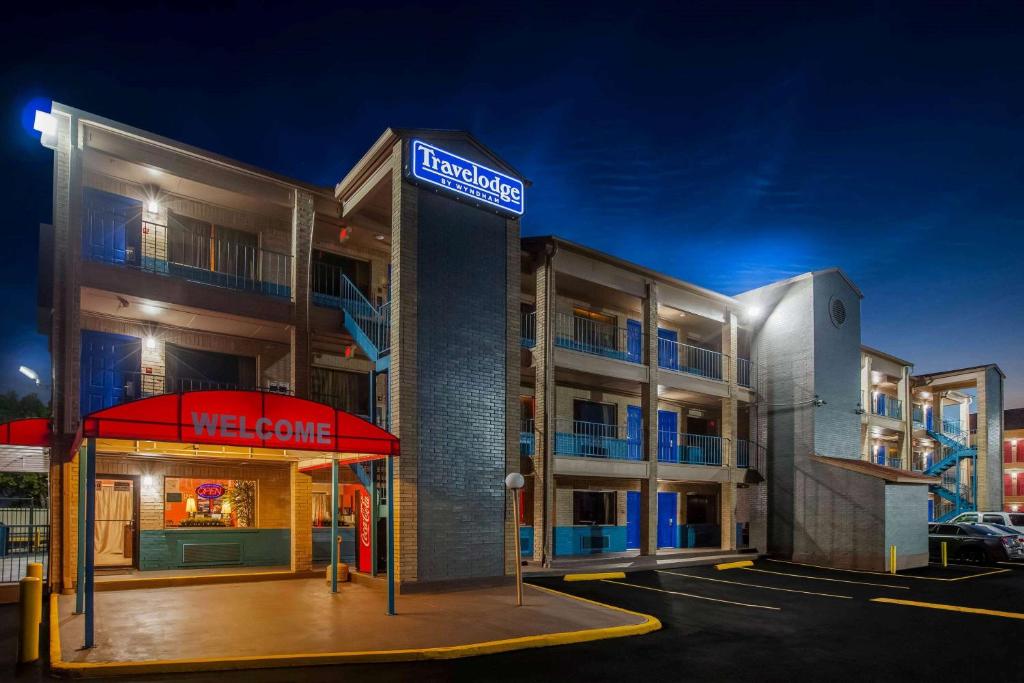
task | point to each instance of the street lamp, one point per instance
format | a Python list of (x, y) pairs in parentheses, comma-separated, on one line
[(30, 373), (514, 482)]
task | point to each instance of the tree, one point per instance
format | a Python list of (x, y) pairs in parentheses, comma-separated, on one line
[(28, 486)]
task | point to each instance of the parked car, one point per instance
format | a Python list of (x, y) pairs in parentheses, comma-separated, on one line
[(1015, 551), (970, 543), (1014, 519)]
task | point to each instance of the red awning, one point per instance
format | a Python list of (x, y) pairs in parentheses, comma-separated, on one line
[(254, 419), (30, 431)]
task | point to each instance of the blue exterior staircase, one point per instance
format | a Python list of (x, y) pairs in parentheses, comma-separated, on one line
[(369, 325), (962, 499)]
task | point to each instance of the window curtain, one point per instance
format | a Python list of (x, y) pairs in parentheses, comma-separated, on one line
[(113, 513), (320, 513)]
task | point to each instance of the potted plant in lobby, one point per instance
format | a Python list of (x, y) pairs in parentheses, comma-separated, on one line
[(243, 501)]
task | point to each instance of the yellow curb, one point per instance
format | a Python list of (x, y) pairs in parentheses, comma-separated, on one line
[(734, 565), (94, 669), (594, 577)]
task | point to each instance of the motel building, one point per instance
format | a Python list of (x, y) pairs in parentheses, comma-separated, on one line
[(1013, 461), (238, 355)]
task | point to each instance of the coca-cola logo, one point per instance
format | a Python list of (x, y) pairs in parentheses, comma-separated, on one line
[(364, 527), (210, 491)]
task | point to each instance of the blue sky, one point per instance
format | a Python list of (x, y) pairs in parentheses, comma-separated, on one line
[(727, 144)]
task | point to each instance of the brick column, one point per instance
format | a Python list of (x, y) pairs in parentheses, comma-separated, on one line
[(865, 404), (983, 454), (728, 515), (513, 266), (907, 437), (649, 410), (544, 414), (402, 375), (303, 218), (302, 528), (730, 419)]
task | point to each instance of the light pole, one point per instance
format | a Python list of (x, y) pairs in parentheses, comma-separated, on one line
[(514, 482)]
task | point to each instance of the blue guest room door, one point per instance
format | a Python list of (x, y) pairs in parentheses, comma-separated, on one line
[(110, 370), (632, 519), (668, 350), (634, 429), (668, 436), (668, 504), (112, 227)]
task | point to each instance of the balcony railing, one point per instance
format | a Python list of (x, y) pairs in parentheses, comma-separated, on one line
[(526, 438), (596, 440), (528, 329), (178, 252), (886, 406), (744, 374), (597, 338), (673, 355), (894, 461), (689, 449)]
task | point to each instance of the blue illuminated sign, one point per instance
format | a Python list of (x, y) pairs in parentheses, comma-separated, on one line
[(467, 178)]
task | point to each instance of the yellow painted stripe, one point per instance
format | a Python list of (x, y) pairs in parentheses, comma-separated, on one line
[(691, 595), (734, 565), (96, 669), (755, 585), (902, 576), (823, 578), (952, 608), (594, 577)]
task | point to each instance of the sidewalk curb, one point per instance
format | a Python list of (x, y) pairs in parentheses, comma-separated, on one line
[(95, 669)]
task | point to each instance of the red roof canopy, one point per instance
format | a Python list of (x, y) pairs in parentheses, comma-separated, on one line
[(254, 419), (30, 431)]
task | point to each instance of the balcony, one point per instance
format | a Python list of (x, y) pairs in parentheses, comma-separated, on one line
[(744, 373), (886, 406), (581, 334), (222, 258), (689, 449), (693, 360), (596, 440), (527, 444)]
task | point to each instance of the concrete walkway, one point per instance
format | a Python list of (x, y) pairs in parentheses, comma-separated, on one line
[(632, 561), (245, 625)]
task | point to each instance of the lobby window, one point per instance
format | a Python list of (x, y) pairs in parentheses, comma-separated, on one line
[(342, 390), (328, 267), (593, 508), (209, 503)]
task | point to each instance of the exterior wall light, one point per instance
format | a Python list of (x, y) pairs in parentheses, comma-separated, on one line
[(151, 343), (46, 124), (754, 312), (153, 206)]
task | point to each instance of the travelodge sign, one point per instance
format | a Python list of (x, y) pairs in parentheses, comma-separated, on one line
[(466, 178)]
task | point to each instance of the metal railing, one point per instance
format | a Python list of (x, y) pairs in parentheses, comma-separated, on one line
[(920, 462), (597, 338), (894, 461), (917, 415), (178, 252), (744, 375), (24, 538), (596, 440), (528, 329), (673, 355), (526, 438), (887, 406), (689, 449)]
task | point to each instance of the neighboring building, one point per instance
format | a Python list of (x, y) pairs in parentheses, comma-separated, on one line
[(1013, 460), (655, 414)]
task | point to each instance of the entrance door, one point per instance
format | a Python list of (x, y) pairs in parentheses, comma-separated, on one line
[(110, 366), (634, 428), (668, 504), (668, 349), (112, 227), (668, 436), (632, 519), (116, 513)]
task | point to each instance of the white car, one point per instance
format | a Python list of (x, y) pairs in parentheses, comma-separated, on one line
[(1011, 519)]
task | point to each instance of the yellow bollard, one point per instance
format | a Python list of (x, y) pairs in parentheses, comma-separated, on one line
[(30, 613), (945, 554), (892, 559), (35, 570)]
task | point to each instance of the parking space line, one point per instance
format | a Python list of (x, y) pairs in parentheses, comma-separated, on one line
[(824, 578), (902, 576), (952, 608), (691, 595), (755, 585)]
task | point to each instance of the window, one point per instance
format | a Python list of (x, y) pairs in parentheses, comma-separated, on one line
[(209, 503), (328, 268), (1017, 520), (199, 244), (594, 412), (342, 390), (968, 518), (947, 529), (593, 508), (992, 519), (191, 369)]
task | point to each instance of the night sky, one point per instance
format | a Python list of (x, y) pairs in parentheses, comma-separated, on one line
[(728, 145)]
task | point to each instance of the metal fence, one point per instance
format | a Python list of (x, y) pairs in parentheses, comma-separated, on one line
[(596, 440), (689, 449), (743, 373), (24, 538), (598, 338), (887, 406), (528, 329), (527, 440)]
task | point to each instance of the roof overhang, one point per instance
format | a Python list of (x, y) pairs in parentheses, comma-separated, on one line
[(891, 475)]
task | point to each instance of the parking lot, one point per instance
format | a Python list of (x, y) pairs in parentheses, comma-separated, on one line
[(773, 621)]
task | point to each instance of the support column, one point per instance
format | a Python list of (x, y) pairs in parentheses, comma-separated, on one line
[(301, 527), (83, 456), (303, 218), (865, 405), (544, 413), (513, 289), (90, 543), (906, 445), (729, 431), (334, 526), (649, 411)]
